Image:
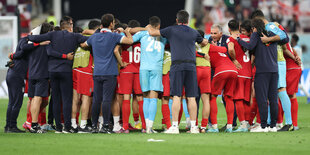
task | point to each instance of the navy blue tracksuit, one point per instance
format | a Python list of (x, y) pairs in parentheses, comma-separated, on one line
[(60, 70), (266, 77), (15, 80)]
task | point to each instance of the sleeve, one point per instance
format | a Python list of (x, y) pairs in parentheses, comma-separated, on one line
[(118, 38), (220, 49), (81, 38), (89, 40), (20, 49), (136, 37), (54, 53), (28, 47), (276, 30), (40, 38), (165, 32), (199, 38), (164, 40), (252, 44)]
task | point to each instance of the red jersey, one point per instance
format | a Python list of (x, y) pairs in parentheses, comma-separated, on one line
[(220, 61), (131, 55), (242, 56), (290, 63)]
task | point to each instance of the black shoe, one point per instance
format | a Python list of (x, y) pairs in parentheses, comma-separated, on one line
[(58, 130), (89, 127), (223, 128), (84, 130), (288, 127), (70, 130), (36, 129), (94, 129), (105, 129)]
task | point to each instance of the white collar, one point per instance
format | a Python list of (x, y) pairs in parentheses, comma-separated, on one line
[(105, 29)]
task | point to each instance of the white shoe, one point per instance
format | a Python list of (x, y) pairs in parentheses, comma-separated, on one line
[(194, 130), (172, 130), (259, 129), (279, 126), (116, 128), (274, 129)]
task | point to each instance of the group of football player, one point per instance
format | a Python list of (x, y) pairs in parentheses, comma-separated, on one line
[(103, 70)]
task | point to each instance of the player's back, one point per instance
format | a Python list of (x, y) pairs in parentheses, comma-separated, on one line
[(152, 51), (220, 62), (131, 54)]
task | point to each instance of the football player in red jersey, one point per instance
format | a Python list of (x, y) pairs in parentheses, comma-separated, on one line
[(241, 60), (129, 80), (293, 73), (224, 79)]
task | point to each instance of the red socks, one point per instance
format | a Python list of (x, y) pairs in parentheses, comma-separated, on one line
[(42, 118), (135, 117), (213, 110), (126, 113), (229, 109), (253, 111), (204, 122), (247, 111), (240, 110), (294, 111), (166, 115), (142, 114), (280, 113)]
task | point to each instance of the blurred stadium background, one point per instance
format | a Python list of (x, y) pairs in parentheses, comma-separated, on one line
[(18, 17)]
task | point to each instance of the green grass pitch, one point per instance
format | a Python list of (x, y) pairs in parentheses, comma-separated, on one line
[(296, 142)]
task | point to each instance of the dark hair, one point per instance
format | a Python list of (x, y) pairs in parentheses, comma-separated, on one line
[(65, 22), (46, 27), (233, 25), (133, 23), (182, 16), (201, 33), (257, 13), (77, 30), (106, 20), (246, 25), (117, 21), (119, 25), (295, 37), (94, 24), (260, 26), (52, 23), (57, 28), (154, 21)]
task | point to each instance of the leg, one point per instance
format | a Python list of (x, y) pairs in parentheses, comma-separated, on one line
[(261, 85), (75, 104), (66, 95), (205, 109), (273, 99)]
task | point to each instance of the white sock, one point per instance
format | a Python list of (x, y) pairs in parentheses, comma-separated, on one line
[(229, 126), (116, 120), (150, 124), (100, 120), (147, 123), (193, 123), (175, 124), (83, 123), (188, 122), (73, 123), (243, 124), (214, 126)]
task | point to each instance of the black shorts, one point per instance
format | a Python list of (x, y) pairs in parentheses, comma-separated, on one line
[(38, 87), (186, 79)]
